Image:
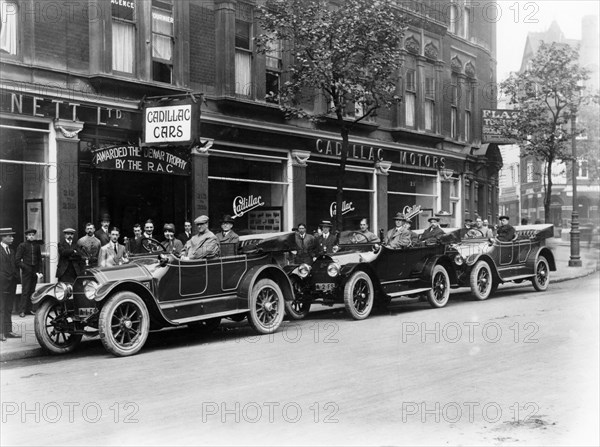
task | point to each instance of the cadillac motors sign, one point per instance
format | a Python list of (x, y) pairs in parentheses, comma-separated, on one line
[(172, 124)]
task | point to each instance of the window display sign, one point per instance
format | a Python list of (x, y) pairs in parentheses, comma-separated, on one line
[(143, 159), (171, 124), (265, 220), (347, 207)]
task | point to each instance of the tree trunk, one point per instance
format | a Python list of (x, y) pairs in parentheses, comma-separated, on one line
[(548, 196), (339, 196)]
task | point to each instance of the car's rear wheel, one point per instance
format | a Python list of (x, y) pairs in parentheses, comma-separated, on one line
[(124, 324), (541, 277), (359, 295), (205, 327), (440, 287), (481, 280), (266, 306), (52, 329), (297, 309)]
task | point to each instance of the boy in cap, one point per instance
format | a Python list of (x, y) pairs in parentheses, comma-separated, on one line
[(202, 245), (506, 231), (29, 259), (172, 245), (433, 233), (9, 276)]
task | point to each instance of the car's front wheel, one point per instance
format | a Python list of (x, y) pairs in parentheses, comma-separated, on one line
[(541, 278), (297, 309), (439, 294), (359, 295), (53, 330), (481, 280), (266, 306), (124, 324)]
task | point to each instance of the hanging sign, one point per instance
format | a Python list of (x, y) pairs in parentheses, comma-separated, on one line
[(171, 124), (155, 160)]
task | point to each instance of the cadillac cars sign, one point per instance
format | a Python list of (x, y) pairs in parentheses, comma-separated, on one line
[(170, 124)]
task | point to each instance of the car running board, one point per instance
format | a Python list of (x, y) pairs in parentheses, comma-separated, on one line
[(513, 278), (409, 292)]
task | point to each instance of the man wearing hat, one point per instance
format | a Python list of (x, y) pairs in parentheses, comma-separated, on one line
[(103, 235), (227, 235), (171, 244), (29, 259), (69, 257), (9, 276), (432, 234), (306, 245), (325, 240), (468, 226), (204, 244), (505, 232), (401, 236), (112, 253)]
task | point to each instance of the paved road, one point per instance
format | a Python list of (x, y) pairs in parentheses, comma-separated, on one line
[(521, 368)]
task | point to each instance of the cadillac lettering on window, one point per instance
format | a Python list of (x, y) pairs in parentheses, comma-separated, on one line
[(241, 205), (347, 207)]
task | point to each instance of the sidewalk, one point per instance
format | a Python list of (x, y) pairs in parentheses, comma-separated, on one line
[(27, 345)]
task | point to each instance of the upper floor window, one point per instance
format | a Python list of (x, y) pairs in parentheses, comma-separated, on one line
[(273, 75), (8, 27), (123, 36), (429, 99), (162, 40), (530, 172), (243, 49), (582, 171), (469, 99), (454, 106), (466, 23), (410, 97), (452, 26)]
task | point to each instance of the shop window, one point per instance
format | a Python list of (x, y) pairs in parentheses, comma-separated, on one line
[(409, 189), (273, 74), (162, 40), (429, 103), (8, 31), (243, 50), (410, 98), (123, 36)]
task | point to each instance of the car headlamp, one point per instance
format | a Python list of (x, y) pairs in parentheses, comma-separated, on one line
[(459, 260), (63, 291), (89, 289), (303, 270), (333, 269)]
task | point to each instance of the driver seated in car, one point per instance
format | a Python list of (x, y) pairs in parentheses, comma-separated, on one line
[(202, 245), (401, 236), (433, 233), (369, 237)]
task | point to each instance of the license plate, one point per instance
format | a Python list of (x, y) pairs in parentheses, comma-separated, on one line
[(325, 287), (85, 312)]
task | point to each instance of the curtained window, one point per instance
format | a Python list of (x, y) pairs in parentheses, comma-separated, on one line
[(243, 58), (162, 41), (410, 96)]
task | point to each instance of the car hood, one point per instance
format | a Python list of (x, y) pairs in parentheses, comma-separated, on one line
[(137, 271), (353, 257)]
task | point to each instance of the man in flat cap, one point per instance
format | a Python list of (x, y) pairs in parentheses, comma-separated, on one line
[(202, 245), (172, 245), (433, 233), (506, 231), (9, 276), (69, 257), (401, 236), (29, 259)]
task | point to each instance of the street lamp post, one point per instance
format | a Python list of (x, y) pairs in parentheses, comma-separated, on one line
[(575, 259)]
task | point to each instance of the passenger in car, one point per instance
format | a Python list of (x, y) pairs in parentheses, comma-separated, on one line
[(506, 231), (432, 234), (170, 243), (401, 236), (202, 245)]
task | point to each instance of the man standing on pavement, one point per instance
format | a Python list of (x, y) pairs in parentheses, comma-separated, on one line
[(29, 259), (307, 246), (112, 253), (432, 235), (506, 231), (9, 277), (187, 232), (170, 243), (69, 258), (103, 235), (325, 240), (202, 245), (88, 246)]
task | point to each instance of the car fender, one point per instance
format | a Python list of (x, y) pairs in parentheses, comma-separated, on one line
[(349, 269), (443, 260), (108, 289), (546, 253), (482, 257), (259, 272), (46, 291)]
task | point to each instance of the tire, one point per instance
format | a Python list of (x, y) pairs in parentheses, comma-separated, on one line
[(359, 295), (439, 294), (266, 306), (51, 328), (237, 318), (481, 281), (205, 327), (124, 324), (297, 309), (541, 277)]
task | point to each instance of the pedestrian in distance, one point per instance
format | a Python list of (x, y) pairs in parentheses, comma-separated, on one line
[(9, 277), (29, 260)]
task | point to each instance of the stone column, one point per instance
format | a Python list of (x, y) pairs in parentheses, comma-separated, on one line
[(67, 146), (381, 178), (225, 47), (299, 159), (199, 181)]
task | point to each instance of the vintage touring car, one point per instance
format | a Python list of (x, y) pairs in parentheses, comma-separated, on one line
[(484, 264), (363, 274), (156, 290)]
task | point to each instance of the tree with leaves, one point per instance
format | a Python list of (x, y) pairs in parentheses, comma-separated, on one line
[(345, 59), (548, 94)]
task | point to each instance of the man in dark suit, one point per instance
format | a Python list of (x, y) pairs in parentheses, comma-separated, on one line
[(307, 246), (187, 232), (103, 234), (9, 277), (69, 258), (29, 259), (506, 231), (432, 235), (325, 240), (112, 253), (135, 244)]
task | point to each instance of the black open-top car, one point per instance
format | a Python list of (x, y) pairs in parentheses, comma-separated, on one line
[(156, 290), (362, 273)]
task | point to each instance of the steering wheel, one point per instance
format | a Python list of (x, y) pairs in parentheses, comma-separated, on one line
[(358, 238), (152, 245), (474, 233)]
